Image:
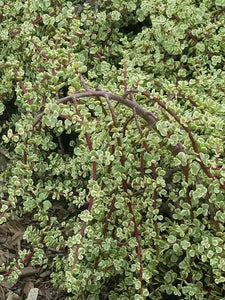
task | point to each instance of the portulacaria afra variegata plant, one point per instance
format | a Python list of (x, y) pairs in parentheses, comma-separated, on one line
[(113, 113)]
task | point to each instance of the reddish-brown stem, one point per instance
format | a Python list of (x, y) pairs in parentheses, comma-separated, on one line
[(22, 86), (111, 266), (125, 76), (142, 167), (85, 86), (139, 255), (148, 116), (70, 47), (26, 260), (112, 205), (153, 172), (186, 172), (125, 125), (216, 15), (9, 204), (29, 255), (99, 56), (94, 177), (37, 20), (15, 32), (193, 142), (193, 37), (39, 51), (125, 189)]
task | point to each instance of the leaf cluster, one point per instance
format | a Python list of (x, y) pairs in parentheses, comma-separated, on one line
[(112, 113)]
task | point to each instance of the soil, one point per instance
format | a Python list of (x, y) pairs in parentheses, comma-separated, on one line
[(33, 279)]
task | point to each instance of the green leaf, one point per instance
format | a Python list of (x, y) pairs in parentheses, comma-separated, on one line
[(200, 191), (183, 158), (47, 205), (185, 244), (85, 216), (171, 239)]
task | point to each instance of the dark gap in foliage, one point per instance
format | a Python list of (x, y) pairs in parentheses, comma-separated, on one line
[(59, 209), (169, 297), (197, 2), (135, 28), (167, 56), (10, 109), (64, 91), (165, 210), (111, 285), (115, 60), (63, 142)]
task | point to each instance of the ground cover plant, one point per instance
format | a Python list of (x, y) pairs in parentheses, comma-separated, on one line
[(112, 144)]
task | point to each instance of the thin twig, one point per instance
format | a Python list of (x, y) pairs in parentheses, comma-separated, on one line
[(85, 86)]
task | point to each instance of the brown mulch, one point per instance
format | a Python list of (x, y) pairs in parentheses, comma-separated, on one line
[(34, 283)]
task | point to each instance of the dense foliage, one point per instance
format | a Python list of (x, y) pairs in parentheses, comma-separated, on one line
[(113, 111)]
